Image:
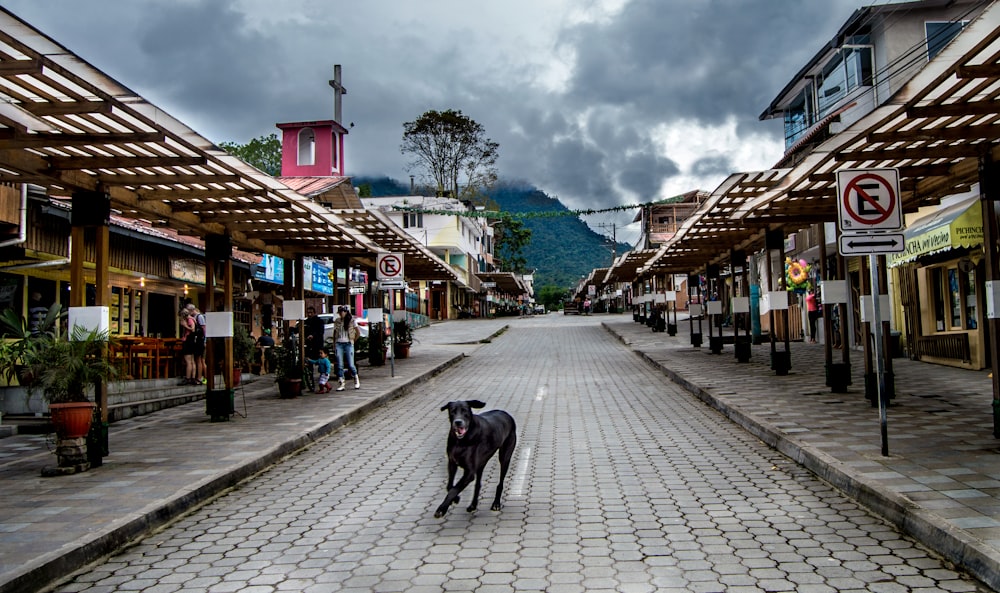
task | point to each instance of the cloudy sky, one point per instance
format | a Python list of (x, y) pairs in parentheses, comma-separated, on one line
[(599, 103)]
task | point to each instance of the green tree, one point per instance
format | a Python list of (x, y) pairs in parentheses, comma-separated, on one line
[(452, 150), (551, 296), (511, 237), (263, 152)]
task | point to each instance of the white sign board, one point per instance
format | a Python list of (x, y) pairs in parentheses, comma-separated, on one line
[(293, 310), (219, 324), (715, 307), (833, 292), (741, 304), (868, 311), (868, 200), (90, 319), (992, 299), (389, 266)]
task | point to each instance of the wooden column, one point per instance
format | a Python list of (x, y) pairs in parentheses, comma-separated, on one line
[(989, 194), (77, 279), (92, 209)]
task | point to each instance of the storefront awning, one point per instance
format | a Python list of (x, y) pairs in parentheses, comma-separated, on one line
[(958, 225)]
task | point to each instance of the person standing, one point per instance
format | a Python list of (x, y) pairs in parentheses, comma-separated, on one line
[(199, 343), (345, 332), (188, 348), (313, 334), (814, 312), (37, 311)]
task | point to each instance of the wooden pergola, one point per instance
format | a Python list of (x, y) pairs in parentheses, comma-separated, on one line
[(70, 128)]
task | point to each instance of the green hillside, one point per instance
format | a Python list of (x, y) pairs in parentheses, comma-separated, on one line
[(562, 249)]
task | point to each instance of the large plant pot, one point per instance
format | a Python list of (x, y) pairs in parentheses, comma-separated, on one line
[(72, 420), (288, 388), (401, 350)]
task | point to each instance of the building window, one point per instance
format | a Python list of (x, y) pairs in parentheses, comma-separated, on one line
[(413, 219), (954, 299), (971, 306), (307, 147), (939, 34), (849, 69)]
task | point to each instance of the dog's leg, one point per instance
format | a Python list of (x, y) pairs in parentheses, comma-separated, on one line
[(452, 470), (506, 452), (452, 496), (475, 492)]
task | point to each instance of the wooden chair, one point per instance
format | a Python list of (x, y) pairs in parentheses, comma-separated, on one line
[(144, 361)]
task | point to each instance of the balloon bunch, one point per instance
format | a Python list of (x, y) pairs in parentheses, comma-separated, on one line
[(797, 275)]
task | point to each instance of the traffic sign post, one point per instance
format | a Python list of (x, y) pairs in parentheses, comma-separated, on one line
[(869, 217)]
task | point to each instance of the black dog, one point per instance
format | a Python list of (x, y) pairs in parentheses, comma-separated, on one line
[(472, 440)]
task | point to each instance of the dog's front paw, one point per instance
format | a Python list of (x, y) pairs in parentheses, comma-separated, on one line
[(440, 511), (496, 507), (472, 508)]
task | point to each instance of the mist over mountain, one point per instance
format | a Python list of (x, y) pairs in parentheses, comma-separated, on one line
[(562, 248)]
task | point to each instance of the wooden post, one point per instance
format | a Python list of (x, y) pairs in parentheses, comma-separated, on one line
[(989, 194), (77, 280), (206, 307)]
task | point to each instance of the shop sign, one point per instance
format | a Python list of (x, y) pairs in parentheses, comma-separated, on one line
[(191, 271), (318, 276), (271, 269)]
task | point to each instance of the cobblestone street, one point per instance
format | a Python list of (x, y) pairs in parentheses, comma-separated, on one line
[(621, 482)]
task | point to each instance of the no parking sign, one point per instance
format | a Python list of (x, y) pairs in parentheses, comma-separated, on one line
[(868, 200)]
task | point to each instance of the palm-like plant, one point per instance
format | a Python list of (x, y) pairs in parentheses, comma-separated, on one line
[(65, 370), (22, 341)]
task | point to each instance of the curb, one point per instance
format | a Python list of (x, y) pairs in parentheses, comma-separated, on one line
[(929, 529), (59, 566)]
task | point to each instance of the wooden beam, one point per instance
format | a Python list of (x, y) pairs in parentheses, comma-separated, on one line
[(978, 71), (124, 162), (165, 179), (46, 140), (16, 67), (194, 194), (280, 214), (954, 109), (983, 132), (899, 154), (65, 107)]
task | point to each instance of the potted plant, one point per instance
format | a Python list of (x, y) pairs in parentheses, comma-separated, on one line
[(244, 347), (402, 339), (65, 371), (287, 371)]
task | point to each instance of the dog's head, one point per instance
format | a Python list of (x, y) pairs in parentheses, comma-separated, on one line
[(460, 415)]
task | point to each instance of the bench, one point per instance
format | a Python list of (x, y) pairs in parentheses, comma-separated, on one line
[(953, 346)]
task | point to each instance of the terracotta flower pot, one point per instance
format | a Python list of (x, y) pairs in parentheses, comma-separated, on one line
[(72, 420)]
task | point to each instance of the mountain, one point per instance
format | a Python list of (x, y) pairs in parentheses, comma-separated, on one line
[(562, 248)]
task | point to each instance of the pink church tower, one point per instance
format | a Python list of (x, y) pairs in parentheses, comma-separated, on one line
[(315, 148)]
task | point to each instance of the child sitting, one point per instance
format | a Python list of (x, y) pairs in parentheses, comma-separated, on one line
[(323, 366)]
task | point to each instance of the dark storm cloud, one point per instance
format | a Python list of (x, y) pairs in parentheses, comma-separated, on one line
[(712, 166), (231, 69), (705, 60)]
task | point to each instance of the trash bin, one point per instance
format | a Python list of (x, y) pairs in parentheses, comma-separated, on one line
[(895, 344)]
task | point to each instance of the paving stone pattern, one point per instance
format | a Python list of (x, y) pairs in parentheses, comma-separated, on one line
[(621, 482)]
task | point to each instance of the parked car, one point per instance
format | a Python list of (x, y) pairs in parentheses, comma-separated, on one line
[(329, 318), (539, 309)]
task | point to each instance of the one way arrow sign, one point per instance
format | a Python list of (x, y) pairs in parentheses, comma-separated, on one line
[(871, 243)]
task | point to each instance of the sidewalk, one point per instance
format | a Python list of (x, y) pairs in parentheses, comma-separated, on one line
[(941, 480), (164, 463)]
